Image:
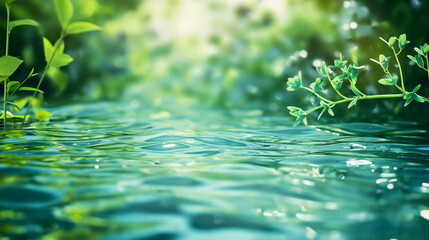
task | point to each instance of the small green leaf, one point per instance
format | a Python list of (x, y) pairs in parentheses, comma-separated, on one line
[(64, 10), (392, 41), (81, 27), (12, 86), (412, 58), (418, 98), (296, 111), (386, 81), (48, 49), (15, 106), (402, 39), (331, 112), (323, 70), (61, 60), (8, 65), (294, 83), (337, 82), (420, 61), (426, 49), (352, 103), (419, 51), (355, 89), (25, 22), (299, 120), (30, 89), (416, 88), (384, 62), (409, 100), (317, 86), (321, 113), (43, 116), (395, 79)]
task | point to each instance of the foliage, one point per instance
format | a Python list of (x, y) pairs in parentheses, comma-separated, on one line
[(339, 73), (54, 57)]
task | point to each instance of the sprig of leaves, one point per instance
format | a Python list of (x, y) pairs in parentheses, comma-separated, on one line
[(341, 73), (54, 54)]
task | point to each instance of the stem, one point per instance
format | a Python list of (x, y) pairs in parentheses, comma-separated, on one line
[(361, 98), (427, 65), (400, 68), (318, 95), (338, 92), (48, 65), (6, 54)]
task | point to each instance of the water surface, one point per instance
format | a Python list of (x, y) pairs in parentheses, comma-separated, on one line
[(105, 171)]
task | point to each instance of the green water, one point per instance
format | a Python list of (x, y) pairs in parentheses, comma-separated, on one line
[(104, 171)]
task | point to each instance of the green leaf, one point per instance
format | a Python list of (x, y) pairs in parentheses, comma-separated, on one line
[(8, 65), (2, 78), (392, 41), (395, 79), (299, 120), (61, 60), (419, 51), (317, 86), (30, 89), (15, 106), (402, 39), (337, 82), (418, 98), (296, 111), (409, 100), (64, 9), (294, 83), (323, 69), (352, 103), (331, 112), (412, 58), (48, 49), (419, 61), (355, 89), (416, 88), (321, 113), (61, 47), (426, 49), (25, 22), (384, 62), (81, 27), (12, 85), (386, 81), (43, 116)]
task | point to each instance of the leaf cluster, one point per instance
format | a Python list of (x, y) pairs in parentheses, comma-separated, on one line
[(54, 57), (341, 72)]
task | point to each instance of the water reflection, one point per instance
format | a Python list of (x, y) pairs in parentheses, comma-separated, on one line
[(99, 175)]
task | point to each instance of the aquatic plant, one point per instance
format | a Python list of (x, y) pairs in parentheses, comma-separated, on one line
[(340, 73), (54, 57)]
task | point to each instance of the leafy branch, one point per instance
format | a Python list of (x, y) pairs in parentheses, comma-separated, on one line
[(342, 73), (54, 57)]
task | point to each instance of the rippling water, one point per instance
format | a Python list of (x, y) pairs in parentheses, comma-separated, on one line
[(103, 171)]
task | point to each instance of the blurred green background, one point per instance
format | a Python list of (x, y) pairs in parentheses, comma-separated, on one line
[(233, 54)]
